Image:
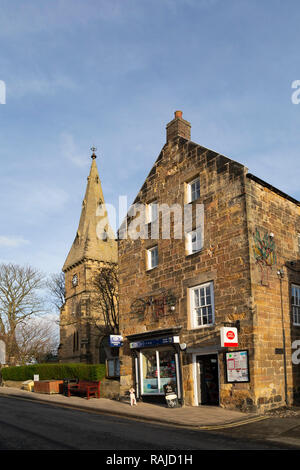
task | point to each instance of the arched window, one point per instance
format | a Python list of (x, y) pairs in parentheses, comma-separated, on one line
[(106, 351)]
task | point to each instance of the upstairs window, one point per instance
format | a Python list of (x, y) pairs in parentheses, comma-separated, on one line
[(194, 241), (152, 257), (202, 305), (152, 212), (296, 304), (193, 190)]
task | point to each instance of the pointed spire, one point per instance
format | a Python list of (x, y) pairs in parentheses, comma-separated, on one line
[(89, 242)]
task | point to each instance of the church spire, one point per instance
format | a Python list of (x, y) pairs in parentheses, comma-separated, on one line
[(91, 241)]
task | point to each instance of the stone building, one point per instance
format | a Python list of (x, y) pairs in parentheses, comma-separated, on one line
[(81, 339), (234, 263)]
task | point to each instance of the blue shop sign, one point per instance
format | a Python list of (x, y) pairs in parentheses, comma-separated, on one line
[(154, 342), (115, 341)]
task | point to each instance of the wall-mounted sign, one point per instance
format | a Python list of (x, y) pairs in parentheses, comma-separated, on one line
[(237, 366), (229, 337), (116, 341), (154, 342), (2, 352)]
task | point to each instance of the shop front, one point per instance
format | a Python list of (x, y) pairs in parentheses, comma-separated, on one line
[(156, 363)]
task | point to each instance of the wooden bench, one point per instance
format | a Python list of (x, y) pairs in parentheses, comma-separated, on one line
[(84, 387)]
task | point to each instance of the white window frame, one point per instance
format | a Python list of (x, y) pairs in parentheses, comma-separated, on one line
[(295, 305), (189, 190), (189, 242), (193, 319), (150, 265), (151, 215)]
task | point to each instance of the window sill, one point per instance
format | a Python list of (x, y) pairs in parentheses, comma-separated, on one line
[(201, 327), (148, 270), (191, 202)]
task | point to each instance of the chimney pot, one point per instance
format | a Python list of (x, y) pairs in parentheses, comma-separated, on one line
[(178, 114)]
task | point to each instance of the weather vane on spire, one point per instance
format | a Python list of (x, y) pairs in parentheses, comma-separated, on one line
[(93, 149)]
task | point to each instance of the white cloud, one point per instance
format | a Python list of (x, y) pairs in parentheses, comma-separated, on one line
[(12, 242)]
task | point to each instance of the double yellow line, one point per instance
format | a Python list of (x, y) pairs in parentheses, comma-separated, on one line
[(233, 425)]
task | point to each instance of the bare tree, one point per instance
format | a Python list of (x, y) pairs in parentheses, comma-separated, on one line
[(37, 339), (19, 301), (57, 290), (103, 305), (105, 299)]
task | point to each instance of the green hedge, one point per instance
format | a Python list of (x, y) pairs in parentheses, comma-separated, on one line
[(54, 371)]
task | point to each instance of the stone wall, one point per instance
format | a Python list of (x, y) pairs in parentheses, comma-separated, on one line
[(270, 212), (73, 317), (224, 260)]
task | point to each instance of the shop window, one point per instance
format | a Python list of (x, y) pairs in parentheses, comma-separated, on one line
[(202, 305), (167, 369), (157, 369), (296, 304), (150, 372)]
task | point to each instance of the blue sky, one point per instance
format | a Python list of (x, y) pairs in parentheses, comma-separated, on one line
[(111, 73)]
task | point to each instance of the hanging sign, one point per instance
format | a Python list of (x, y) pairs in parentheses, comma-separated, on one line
[(229, 337), (115, 341)]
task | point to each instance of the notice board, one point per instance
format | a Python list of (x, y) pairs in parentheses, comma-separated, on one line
[(237, 366)]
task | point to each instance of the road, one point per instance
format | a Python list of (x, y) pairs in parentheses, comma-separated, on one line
[(25, 425)]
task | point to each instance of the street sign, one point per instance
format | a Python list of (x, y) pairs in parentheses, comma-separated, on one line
[(229, 337), (116, 341)]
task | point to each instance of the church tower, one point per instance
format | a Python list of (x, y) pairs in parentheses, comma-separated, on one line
[(93, 247)]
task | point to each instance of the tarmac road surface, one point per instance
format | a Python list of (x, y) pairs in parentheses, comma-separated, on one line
[(25, 425)]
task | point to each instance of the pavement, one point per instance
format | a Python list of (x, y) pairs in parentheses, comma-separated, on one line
[(202, 417)]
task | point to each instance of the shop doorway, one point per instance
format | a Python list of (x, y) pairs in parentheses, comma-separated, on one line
[(208, 379)]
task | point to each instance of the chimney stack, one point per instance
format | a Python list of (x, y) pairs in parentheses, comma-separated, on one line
[(178, 127)]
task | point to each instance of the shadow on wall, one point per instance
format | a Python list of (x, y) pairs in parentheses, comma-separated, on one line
[(293, 273)]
